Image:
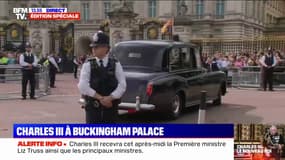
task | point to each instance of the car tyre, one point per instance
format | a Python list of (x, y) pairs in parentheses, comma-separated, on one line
[(176, 106), (218, 101)]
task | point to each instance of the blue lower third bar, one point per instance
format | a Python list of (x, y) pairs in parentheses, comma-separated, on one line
[(123, 131)]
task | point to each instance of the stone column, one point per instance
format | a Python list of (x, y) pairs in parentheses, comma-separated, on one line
[(121, 23), (182, 27), (184, 32), (39, 38), (35, 39), (4, 9), (45, 41), (39, 35)]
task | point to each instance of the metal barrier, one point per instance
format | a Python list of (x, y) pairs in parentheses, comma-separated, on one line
[(251, 77), (11, 81)]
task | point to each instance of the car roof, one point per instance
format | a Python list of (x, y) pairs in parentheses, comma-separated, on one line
[(157, 42)]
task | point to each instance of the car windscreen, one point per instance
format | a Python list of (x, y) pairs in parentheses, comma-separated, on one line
[(149, 56)]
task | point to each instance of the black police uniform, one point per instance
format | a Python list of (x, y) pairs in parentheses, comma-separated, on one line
[(75, 67), (268, 72), (103, 80), (52, 72), (28, 75), (213, 66)]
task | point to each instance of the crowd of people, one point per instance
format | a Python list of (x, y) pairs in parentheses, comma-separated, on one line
[(51, 60), (220, 61), (14, 57), (266, 60)]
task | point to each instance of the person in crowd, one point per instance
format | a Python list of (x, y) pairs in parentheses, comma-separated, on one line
[(257, 61), (232, 60), (268, 62), (204, 60), (53, 69), (102, 82), (29, 62), (251, 60), (239, 63), (279, 57), (3, 62), (59, 61), (219, 59), (43, 59), (83, 58), (214, 65), (76, 64), (11, 58), (17, 57), (225, 64)]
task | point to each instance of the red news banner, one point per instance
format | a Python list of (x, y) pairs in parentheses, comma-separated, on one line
[(54, 16)]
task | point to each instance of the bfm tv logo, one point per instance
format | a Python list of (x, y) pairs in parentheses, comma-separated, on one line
[(21, 13)]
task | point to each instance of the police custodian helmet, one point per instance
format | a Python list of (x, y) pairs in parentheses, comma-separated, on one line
[(100, 39), (28, 45)]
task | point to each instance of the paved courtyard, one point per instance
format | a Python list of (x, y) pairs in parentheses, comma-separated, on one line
[(239, 106)]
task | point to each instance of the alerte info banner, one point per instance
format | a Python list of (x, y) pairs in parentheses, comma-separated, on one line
[(119, 142)]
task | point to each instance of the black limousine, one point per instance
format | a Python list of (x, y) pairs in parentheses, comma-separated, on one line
[(166, 76)]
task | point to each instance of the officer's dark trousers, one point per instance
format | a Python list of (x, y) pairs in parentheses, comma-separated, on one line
[(28, 76), (52, 74), (261, 77), (268, 78), (75, 70), (2, 75), (101, 114)]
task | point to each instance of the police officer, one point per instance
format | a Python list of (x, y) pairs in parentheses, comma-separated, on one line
[(268, 62), (3, 61), (275, 142), (53, 68), (29, 62), (102, 82), (76, 63)]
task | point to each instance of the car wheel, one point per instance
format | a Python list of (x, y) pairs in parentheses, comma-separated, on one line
[(218, 101), (176, 106)]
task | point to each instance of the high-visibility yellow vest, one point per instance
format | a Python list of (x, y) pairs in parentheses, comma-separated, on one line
[(46, 62), (4, 60)]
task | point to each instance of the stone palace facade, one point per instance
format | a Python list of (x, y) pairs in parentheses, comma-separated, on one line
[(202, 21)]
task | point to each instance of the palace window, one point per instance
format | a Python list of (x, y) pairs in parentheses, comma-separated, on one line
[(85, 11), (254, 9), (152, 8), (220, 8), (199, 8), (107, 8)]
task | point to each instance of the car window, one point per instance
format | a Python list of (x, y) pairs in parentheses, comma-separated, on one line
[(139, 55), (181, 58)]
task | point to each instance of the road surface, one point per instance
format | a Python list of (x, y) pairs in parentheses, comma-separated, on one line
[(239, 106)]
